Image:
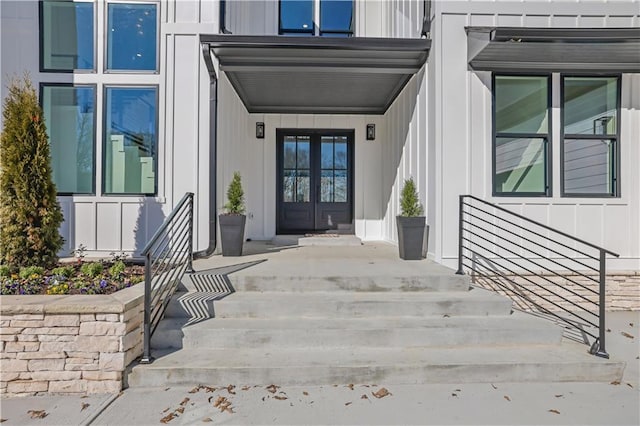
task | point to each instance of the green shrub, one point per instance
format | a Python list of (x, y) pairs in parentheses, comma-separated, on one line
[(65, 271), (30, 271), (117, 269), (92, 269), (235, 196), (29, 211), (5, 271), (409, 201)]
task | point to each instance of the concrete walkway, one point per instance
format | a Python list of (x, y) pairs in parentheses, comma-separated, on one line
[(503, 403)]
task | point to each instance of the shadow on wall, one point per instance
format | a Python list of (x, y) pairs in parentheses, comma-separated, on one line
[(150, 218)]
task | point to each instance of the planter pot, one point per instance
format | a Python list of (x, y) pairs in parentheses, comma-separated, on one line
[(410, 236), (232, 233)]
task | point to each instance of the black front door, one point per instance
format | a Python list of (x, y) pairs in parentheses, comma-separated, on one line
[(315, 180)]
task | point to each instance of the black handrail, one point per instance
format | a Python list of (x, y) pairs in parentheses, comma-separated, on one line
[(168, 255), (484, 234)]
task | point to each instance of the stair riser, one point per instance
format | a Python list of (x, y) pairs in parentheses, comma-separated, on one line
[(311, 309), (329, 374), (362, 338), (350, 284)]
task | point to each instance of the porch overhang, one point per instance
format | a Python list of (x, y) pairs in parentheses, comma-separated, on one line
[(579, 50), (277, 74)]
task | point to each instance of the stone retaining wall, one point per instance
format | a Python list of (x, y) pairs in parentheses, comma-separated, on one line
[(622, 290), (70, 344)]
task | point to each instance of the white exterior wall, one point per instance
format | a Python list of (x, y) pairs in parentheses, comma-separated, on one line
[(462, 126)]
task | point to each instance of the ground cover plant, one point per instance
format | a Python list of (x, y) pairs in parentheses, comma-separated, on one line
[(78, 277)]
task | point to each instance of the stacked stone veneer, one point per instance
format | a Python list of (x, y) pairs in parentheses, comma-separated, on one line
[(69, 344), (622, 290)]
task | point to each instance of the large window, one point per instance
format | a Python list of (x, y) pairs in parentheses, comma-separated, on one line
[(590, 116), (130, 141), (521, 135), (132, 36), (329, 18), (69, 112), (66, 36)]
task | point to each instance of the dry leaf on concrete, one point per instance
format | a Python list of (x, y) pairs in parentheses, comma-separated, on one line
[(246, 388), (554, 411), (194, 390), (179, 410), (381, 393), (206, 420), (37, 414), (559, 396), (272, 388), (507, 398), (280, 398), (3, 420), (350, 386), (84, 406), (166, 419), (348, 403), (305, 393), (454, 394), (230, 389), (494, 386), (615, 382), (184, 402), (630, 385), (364, 396), (627, 335)]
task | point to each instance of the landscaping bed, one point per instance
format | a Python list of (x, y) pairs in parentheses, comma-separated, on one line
[(78, 277)]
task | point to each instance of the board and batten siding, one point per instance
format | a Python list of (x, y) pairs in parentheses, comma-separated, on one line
[(463, 129)]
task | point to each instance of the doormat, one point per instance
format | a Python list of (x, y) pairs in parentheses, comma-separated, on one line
[(322, 235)]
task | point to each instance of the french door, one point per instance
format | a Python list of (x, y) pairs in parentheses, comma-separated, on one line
[(315, 180)]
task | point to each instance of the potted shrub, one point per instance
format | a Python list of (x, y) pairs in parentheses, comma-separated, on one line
[(410, 223), (232, 221)]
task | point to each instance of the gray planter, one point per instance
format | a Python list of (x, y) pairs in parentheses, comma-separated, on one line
[(410, 236), (232, 233)]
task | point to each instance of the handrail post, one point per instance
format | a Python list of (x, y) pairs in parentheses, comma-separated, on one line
[(146, 355), (190, 248), (460, 271), (602, 351)]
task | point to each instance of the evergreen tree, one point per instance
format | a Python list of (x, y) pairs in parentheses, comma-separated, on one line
[(29, 211), (235, 195), (409, 201)]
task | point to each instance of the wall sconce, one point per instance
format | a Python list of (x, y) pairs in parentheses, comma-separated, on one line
[(371, 132), (260, 130)]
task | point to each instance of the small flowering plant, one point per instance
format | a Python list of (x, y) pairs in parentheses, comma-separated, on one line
[(104, 277)]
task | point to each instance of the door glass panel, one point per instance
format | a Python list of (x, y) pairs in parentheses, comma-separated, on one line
[(340, 155), (303, 186), (340, 186), (327, 154), (289, 186), (303, 152), (290, 153), (326, 186)]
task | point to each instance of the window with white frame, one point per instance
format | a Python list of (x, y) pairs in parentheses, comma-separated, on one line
[(328, 18), (128, 158)]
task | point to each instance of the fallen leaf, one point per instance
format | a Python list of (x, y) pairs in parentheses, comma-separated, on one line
[(458, 390), (560, 396), (348, 403), (194, 390), (454, 394), (335, 386), (184, 402), (84, 396), (165, 410), (246, 388), (494, 386), (209, 389), (166, 389), (230, 389), (446, 316), (272, 388), (630, 385), (365, 386), (37, 414), (84, 405), (263, 398), (219, 401), (627, 335), (554, 411), (305, 393), (206, 420), (381, 393), (608, 330), (166, 419), (179, 410), (280, 398), (615, 382), (350, 386), (507, 398), (630, 324), (364, 396), (3, 420)]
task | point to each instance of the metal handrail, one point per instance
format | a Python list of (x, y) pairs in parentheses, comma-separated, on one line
[(476, 231), (168, 255)]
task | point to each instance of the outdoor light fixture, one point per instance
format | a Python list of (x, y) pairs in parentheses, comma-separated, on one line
[(371, 132), (260, 130)]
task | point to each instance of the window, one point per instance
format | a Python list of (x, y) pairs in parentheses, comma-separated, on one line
[(130, 141), (590, 115), (69, 112), (521, 135), (132, 37), (300, 17), (66, 36)]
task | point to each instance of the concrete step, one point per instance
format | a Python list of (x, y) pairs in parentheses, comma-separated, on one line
[(441, 280), (330, 240), (391, 365), (517, 329), (476, 302)]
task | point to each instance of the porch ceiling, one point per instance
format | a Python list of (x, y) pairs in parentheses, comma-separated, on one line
[(276, 74), (505, 49)]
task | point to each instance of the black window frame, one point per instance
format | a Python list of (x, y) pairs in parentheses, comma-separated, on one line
[(312, 31), (615, 139), (548, 152), (95, 130), (103, 176), (41, 66)]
